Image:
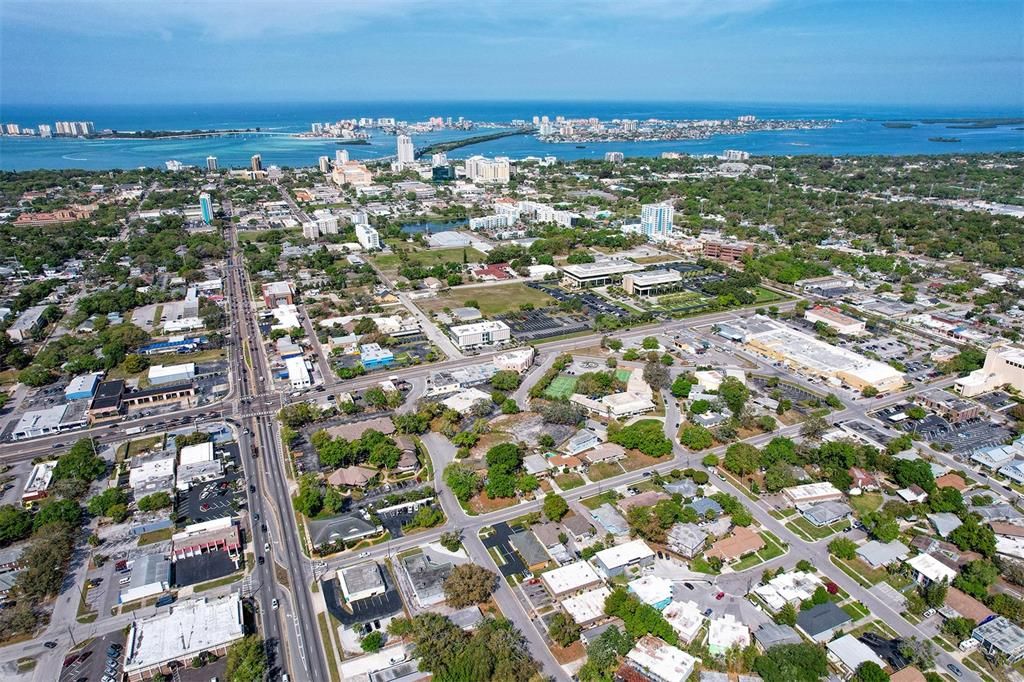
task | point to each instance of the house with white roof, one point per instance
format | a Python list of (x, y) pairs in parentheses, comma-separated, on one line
[(570, 578), (587, 607), (927, 569), (726, 632), (685, 617), (652, 590), (615, 560)]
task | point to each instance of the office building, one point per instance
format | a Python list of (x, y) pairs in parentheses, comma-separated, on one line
[(405, 152), (597, 274), (340, 156), (651, 282), (82, 387), (372, 356), (298, 374), (483, 170), (256, 163), (368, 237), (1004, 364), (277, 294), (310, 230), (480, 334), (656, 220), (439, 159), (361, 581), (211, 163), (206, 208), (325, 164), (727, 251), (442, 174)]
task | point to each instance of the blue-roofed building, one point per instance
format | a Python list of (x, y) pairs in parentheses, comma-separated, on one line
[(82, 387), (372, 356), (702, 505), (178, 344)]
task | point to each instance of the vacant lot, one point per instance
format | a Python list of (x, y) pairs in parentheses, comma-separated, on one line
[(392, 261), (491, 300)]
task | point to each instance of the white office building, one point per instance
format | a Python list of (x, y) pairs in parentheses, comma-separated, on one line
[(480, 334), (171, 374), (368, 237), (298, 374), (406, 153), (656, 220)]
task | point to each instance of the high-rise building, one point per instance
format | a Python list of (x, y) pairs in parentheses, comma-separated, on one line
[(406, 152), (614, 157), (367, 236), (628, 126), (439, 159), (256, 163), (45, 130), (736, 155), (206, 208), (341, 156), (13, 129), (325, 164), (211, 163), (310, 230), (656, 219), (480, 169)]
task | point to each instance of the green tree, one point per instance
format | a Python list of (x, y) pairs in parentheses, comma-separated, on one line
[(742, 459), (154, 501), (469, 584), (58, 511), (80, 462), (555, 507), (976, 577), (310, 500), (792, 663), (372, 642), (563, 629), (681, 386), (869, 671), (463, 482), (787, 615), (734, 394), (102, 504), (696, 437), (844, 548), (246, 660), (505, 380), (959, 628), (973, 536), (15, 524)]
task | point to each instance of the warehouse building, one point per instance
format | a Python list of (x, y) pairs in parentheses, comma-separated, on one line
[(82, 387), (172, 374), (844, 324)]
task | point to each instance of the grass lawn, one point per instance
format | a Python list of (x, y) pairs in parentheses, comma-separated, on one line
[(391, 261), (765, 295), (866, 503), (772, 547), (491, 300), (560, 387), (226, 580), (808, 530), (622, 374), (156, 536), (143, 444), (855, 610), (328, 640), (700, 565), (569, 481), (603, 470), (748, 561), (607, 497)]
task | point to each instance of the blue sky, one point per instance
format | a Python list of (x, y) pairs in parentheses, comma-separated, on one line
[(935, 52)]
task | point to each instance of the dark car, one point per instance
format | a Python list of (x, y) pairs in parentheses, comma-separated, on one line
[(260, 560), (50, 645)]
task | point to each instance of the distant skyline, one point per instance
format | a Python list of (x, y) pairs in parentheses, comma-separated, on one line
[(911, 52)]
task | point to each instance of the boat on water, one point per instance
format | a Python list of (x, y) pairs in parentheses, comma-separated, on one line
[(943, 139), (581, 146)]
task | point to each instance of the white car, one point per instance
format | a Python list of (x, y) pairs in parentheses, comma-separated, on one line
[(274, 604), (364, 554)]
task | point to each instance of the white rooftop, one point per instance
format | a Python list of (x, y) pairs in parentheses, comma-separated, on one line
[(651, 589), (931, 568), (587, 606), (685, 617), (852, 652), (621, 555), (195, 454), (792, 587), (812, 490), (661, 659), (570, 577), (188, 628), (726, 632)]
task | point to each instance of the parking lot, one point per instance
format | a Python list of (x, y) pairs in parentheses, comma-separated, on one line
[(539, 324), (536, 594), (91, 663), (511, 564), (370, 610), (996, 400), (963, 438)]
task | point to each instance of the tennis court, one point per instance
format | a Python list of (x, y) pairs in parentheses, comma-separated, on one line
[(561, 386)]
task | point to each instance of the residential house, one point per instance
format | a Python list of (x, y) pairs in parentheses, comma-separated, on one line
[(686, 539), (821, 621), (615, 560), (741, 542)]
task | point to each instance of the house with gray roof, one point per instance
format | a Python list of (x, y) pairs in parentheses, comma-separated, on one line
[(686, 539), (826, 513), (945, 523), (1001, 636), (878, 554), (610, 519), (529, 548), (820, 622), (703, 505), (772, 634), (685, 487)]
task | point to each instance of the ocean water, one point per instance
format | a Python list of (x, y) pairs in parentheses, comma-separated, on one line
[(858, 132)]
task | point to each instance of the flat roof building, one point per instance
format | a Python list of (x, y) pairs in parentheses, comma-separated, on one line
[(171, 374), (822, 491), (614, 560), (427, 578), (1004, 364), (480, 334), (659, 661), (844, 324), (651, 282), (278, 293), (187, 629), (597, 274), (361, 581), (1001, 636), (570, 578), (37, 483), (37, 423), (298, 373), (82, 387), (587, 607), (26, 323)]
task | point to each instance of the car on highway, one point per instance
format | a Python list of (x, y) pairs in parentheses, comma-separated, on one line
[(364, 554)]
